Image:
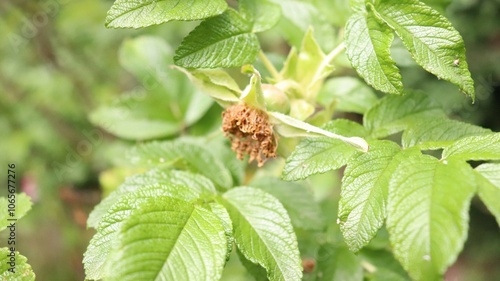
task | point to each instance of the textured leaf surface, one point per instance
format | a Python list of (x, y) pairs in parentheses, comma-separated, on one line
[(22, 206), (484, 147), (363, 200), (297, 199), (188, 243), (489, 187), (100, 247), (430, 38), (434, 133), (222, 41), (322, 154), (428, 213), (393, 114), (263, 232), (182, 154), (137, 13), (23, 271), (368, 48), (180, 184)]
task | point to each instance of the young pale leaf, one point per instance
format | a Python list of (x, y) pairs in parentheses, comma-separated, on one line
[(393, 114), (348, 94), (363, 200), (222, 41), (297, 199), (170, 180), (22, 270), (430, 38), (321, 154), (427, 215), (136, 14), (338, 263), (182, 154), (484, 147), (263, 232), (99, 249), (22, 206), (261, 13), (168, 239), (368, 48), (435, 133), (488, 179)]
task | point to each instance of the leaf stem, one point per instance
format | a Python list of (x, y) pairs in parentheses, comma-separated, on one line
[(327, 60), (269, 66)]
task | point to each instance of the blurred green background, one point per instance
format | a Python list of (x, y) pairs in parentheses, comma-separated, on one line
[(58, 64)]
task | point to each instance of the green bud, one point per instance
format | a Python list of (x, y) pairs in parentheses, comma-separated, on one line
[(276, 99)]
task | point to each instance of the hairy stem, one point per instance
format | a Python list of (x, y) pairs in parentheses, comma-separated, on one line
[(269, 66)]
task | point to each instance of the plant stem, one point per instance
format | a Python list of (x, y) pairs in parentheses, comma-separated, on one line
[(269, 66), (328, 59)]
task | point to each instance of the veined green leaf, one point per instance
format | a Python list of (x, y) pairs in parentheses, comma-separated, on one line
[(263, 232), (99, 249), (261, 13), (183, 154), (484, 147), (257, 271), (435, 133), (363, 200), (488, 180), (322, 154), (170, 180), (188, 243), (297, 199), (427, 215), (368, 46), (430, 38), (393, 114), (222, 41), (338, 263), (22, 206), (221, 212), (137, 13), (23, 271)]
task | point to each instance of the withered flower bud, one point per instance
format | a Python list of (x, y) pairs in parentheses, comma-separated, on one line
[(250, 132)]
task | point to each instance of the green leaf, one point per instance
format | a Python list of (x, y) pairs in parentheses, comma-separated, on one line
[(261, 13), (168, 239), (368, 46), (257, 271), (427, 215), (22, 204), (488, 178), (22, 270), (221, 212), (347, 94), (385, 267), (484, 147), (322, 154), (435, 133), (136, 14), (263, 232), (222, 41), (182, 154), (253, 94), (430, 38), (363, 200), (338, 263), (297, 199), (99, 249), (393, 114), (180, 184)]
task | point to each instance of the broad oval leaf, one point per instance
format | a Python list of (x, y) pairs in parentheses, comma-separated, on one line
[(430, 38), (322, 154), (261, 13), (427, 215), (363, 199), (368, 46), (168, 239), (170, 180), (488, 180), (222, 41), (136, 13), (22, 270), (263, 232), (484, 147), (22, 206)]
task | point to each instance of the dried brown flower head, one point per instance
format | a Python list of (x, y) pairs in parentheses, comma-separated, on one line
[(250, 132)]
